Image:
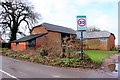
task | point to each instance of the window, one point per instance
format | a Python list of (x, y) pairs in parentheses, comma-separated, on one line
[(84, 41), (17, 43), (103, 40)]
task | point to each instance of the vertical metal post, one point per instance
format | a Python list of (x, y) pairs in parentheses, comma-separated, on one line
[(82, 45)]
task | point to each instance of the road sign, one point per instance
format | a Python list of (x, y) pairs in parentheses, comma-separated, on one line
[(81, 23), (81, 26)]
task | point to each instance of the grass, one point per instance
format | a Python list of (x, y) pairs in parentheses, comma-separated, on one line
[(99, 56), (96, 56)]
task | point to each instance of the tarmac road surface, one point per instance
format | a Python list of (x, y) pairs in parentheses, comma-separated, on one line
[(12, 68)]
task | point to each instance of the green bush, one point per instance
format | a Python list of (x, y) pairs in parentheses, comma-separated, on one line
[(38, 59), (67, 62), (10, 55), (24, 57)]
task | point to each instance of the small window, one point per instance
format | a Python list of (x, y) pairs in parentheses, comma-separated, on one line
[(17, 43), (103, 40), (84, 41)]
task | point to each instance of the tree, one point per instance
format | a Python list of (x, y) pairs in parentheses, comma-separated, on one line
[(0, 35), (93, 28), (15, 13)]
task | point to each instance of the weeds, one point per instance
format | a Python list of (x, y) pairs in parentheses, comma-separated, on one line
[(24, 56), (69, 61), (38, 59)]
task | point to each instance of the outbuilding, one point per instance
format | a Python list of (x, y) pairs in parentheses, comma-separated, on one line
[(55, 36), (38, 37), (26, 42), (98, 40)]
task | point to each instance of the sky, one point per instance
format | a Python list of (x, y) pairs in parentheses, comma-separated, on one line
[(100, 13)]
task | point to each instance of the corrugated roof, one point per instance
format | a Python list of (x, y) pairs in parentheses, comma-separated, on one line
[(30, 37), (96, 34), (52, 27)]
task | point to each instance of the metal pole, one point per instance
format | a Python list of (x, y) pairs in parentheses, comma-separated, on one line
[(82, 45)]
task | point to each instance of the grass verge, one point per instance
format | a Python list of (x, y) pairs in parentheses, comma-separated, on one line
[(99, 56)]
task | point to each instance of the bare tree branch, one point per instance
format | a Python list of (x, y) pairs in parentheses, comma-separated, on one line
[(14, 13)]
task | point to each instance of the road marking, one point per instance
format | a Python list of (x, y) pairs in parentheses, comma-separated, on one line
[(9, 74), (55, 76)]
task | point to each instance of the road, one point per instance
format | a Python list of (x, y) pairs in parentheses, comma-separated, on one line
[(12, 68)]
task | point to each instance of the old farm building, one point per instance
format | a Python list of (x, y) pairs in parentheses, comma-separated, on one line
[(98, 40), (46, 34), (26, 42), (52, 36)]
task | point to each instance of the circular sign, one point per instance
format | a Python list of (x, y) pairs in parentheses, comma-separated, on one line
[(81, 22)]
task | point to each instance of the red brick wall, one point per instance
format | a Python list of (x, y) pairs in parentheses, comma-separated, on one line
[(104, 47), (41, 41), (117, 46), (52, 40), (111, 41), (39, 30), (21, 46), (93, 44)]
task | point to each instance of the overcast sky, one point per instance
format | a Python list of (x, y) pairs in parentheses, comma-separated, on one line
[(100, 13)]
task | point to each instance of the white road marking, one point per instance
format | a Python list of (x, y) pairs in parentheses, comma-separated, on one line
[(55, 76), (9, 74)]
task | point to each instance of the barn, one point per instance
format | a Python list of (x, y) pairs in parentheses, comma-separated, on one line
[(26, 42), (52, 36), (98, 40), (46, 34)]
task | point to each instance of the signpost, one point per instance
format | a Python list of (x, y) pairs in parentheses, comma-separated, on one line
[(81, 26)]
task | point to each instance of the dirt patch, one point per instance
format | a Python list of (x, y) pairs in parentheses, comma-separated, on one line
[(30, 52), (109, 63)]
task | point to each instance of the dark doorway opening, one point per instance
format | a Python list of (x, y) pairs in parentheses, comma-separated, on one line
[(31, 43)]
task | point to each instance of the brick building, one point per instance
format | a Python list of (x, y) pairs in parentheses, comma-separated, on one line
[(98, 40), (26, 42), (117, 46), (53, 39)]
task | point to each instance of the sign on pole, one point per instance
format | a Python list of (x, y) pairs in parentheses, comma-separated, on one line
[(81, 26), (81, 23)]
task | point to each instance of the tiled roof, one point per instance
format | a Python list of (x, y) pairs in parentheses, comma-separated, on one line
[(30, 37), (96, 34), (57, 28)]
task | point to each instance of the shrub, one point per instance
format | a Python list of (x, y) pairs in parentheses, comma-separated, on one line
[(43, 51), (10, 55), (67, 62), (24, 57), (38, 59), (71, 54)]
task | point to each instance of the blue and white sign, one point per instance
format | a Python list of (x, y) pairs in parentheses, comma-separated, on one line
[(81, 23)]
